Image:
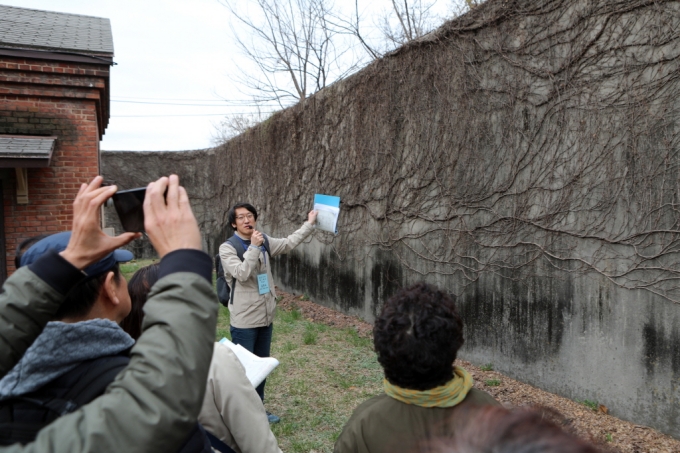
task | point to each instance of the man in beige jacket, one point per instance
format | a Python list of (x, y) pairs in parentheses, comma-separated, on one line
[(252, 287)]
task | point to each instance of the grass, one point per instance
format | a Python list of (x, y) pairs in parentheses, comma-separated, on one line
[(593, 405), (493, 382), (129, 268), (325, 373), (487, 367), (310, 335)]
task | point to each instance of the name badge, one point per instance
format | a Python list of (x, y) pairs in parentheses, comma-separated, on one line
[(263, 283)]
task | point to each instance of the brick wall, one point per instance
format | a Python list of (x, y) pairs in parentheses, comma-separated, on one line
[(67, 100)]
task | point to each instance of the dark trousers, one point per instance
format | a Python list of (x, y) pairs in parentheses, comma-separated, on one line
[(257, 340)]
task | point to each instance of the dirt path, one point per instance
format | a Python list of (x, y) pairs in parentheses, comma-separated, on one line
[(596, 425)]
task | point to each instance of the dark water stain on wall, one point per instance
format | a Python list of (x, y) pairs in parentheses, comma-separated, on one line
[(330, 281), (661, 348), (662, 358), (386, 278), (326, 281), (596, 312), (525, 321)]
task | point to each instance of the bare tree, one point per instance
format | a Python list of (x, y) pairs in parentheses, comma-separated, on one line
[(295, 48), (233, 125), (408, 21), (354, 26), (472, 3), (405, 21)]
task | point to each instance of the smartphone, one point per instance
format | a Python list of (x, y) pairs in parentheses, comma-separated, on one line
[(129, 205)]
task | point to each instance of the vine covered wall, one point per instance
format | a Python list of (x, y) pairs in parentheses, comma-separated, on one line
[(523, 156)]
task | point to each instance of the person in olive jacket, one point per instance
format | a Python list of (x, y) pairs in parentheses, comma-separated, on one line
[(153, 404), (417, 337)]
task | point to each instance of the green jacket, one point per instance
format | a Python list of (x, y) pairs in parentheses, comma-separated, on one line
[(384, 425), (153, 404)]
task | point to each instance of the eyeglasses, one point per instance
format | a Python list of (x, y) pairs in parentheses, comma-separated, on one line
[(242, 217)]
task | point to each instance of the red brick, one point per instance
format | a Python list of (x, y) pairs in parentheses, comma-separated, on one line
[(61, 104)]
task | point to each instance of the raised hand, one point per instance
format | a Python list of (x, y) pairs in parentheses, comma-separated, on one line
[(257, 238), (88, 243), (169, 221)]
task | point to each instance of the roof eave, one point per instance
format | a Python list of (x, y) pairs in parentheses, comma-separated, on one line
[(33, 160), (74, 57)]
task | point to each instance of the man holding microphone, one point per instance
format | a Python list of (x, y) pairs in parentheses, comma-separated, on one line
[(246, 259)]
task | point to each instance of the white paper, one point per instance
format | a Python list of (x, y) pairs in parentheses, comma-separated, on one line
[(327, 217), (257, 368)]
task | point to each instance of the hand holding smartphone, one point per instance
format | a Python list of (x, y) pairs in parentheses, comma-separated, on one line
[(129, 205)]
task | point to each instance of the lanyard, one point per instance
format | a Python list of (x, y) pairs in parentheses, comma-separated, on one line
[(245, 247)]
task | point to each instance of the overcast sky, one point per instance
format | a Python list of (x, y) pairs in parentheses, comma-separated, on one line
[(167, 52)]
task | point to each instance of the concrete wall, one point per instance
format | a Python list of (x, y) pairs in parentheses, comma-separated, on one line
[(525, 157), (129, 170)]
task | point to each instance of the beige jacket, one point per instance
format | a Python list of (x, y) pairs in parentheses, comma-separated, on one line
[(250, 309), (232, 410)]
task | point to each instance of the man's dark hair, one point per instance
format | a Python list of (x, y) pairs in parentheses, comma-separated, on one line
[(231, 215), (139, 286), (81, 298), (417, 336), (25, 245)]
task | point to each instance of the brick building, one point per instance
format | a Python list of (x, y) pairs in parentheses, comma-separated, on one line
[(54, 108)]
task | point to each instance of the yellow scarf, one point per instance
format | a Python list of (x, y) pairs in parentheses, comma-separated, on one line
[(447, 395)]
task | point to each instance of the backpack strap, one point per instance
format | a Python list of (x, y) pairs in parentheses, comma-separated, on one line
[(217, 444), (266, 245), (218, 265), (96, 378), (238, 246)]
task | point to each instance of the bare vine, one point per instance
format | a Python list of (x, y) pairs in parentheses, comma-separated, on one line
[(529, 134), (524, 137)]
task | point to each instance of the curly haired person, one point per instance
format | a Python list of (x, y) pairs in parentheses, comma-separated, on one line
[(416, 337)]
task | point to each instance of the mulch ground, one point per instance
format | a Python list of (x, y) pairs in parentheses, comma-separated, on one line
[(610, 432)]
